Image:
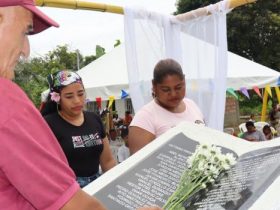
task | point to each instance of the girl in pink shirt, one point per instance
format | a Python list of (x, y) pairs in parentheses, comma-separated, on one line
[(168, 108)]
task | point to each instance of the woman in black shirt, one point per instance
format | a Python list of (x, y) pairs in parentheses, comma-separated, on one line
[(81, 134)]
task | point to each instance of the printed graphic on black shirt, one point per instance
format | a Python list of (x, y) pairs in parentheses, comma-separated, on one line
[(86, 140)]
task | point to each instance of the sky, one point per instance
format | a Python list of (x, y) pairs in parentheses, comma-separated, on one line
[(83, 30)]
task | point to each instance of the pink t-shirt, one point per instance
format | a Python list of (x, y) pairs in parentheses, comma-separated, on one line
[(34, 173), (157, 120)]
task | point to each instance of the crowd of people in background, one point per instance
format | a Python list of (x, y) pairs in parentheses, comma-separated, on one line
[(252, 134), (268, 131)]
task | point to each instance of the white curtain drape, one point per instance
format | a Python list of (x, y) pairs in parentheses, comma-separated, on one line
[(199, 45)]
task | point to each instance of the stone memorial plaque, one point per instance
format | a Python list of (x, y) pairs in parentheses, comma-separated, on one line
[(149, 177)]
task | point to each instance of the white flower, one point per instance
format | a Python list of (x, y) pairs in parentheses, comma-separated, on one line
[(214, 170), (190, 160), (215, 150), (204, 166), (230, 159), (225, 165), (203, 186), (211, 180), (201, 147), (204, 153)]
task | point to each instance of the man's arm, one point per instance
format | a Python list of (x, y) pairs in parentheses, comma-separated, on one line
[(83, 201)]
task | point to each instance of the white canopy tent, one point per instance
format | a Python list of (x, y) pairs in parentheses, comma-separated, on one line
[(107, 76)]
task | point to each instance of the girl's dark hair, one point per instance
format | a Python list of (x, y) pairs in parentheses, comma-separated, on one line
[(56, 84), (124, 132), (167, 67), (49, 107), (266, 127)]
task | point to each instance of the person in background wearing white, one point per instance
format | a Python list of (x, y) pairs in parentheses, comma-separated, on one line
[(34, 173), (123, 151)]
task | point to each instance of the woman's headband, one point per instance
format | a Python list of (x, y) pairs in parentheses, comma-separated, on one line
[(61, 79)]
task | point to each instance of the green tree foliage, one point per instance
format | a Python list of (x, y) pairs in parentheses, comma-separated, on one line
[(249, 106), (99, 51), (118, 42), (31, 75), (63, 58), (89, 59), (253, 29), (183, 6)]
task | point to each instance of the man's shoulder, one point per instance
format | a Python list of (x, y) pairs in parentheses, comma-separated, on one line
[(9, 88), (13, 100)]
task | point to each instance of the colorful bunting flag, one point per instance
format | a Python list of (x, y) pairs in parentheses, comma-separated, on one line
[(231, 91), (257, 90), (98, 101), (267, 88), (111, 100), (123, 94), (278, 81), (245, 92)]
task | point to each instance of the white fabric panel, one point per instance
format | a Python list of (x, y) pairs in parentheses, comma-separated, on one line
[(199, 45)]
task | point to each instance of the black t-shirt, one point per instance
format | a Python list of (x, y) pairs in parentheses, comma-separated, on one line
[(83, 144)]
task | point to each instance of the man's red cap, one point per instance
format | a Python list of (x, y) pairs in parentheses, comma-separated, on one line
[(40, 20)]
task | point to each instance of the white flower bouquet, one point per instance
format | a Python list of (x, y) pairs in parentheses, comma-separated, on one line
[(204, 167)]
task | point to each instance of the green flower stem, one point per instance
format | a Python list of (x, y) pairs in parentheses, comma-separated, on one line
[(195, 188), (205, 167)]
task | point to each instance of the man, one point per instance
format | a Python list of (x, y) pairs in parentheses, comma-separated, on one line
[(252, 134), (34, 173)]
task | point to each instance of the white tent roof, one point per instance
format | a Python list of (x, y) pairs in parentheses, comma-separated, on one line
[(107, 75), (246, 73)]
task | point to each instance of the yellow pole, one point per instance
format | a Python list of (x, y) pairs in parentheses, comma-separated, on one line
[(277, 93), (86, 5), (264, 106), (203, 11), (76, 4), (237, 3)]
